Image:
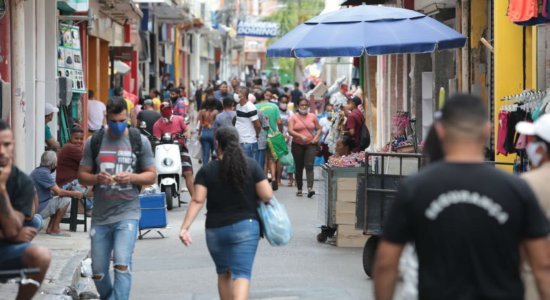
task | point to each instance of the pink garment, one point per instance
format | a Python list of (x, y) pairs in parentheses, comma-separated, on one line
[(522, 142), (522, 10), (304, 125), (502, 131)]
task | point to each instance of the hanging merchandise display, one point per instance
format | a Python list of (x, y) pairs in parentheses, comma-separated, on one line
[(403, 134), (522, 10), (529, 13), (525, 106), (69, 57)]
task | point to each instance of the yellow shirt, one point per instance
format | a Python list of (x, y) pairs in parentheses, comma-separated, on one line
[(130, 108), (156, 104)]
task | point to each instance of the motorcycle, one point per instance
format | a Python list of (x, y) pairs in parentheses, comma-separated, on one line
[(168, 165)]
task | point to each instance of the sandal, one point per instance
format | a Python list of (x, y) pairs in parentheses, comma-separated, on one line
[(310, 194), (299, 194)]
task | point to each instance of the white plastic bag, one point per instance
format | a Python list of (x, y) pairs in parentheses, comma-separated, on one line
[(196, 150), (276, 223)]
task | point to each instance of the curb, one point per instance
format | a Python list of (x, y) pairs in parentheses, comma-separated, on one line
[(64, 287)]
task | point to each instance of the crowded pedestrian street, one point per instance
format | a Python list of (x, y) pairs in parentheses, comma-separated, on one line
[(275, 149)]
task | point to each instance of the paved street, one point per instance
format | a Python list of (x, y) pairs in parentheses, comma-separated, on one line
[(305, 269)]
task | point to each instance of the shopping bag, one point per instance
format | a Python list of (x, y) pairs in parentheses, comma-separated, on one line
[(277, 144), (196, 150), (287, 160), (275, 222)]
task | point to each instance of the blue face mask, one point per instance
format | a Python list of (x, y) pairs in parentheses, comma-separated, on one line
[(117, 128)]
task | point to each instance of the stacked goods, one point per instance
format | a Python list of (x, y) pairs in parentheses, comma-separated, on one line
[(346, 194), (352, 160)]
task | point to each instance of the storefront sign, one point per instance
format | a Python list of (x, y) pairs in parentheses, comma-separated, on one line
[(69, 57), (79, 5), (258, 29), (123, 53)]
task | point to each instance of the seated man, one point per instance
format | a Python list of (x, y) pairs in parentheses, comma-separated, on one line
[(56, 205), (16, 205), (174, 124), (69, 158)]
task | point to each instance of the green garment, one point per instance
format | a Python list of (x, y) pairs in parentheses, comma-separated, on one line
[(48, 132), (271, 111)]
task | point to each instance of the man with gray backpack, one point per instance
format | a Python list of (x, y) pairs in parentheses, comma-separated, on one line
[(117, 162)]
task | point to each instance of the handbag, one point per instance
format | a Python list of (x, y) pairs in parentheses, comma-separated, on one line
[(275, 222), (277, 144)]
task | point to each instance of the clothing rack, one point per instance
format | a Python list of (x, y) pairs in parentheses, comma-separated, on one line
[(526, 96), (528, 100)]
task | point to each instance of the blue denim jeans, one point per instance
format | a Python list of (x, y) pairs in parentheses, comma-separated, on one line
[(207, 144), (118, 238), (233, 247), (250, 150), (36, 222)]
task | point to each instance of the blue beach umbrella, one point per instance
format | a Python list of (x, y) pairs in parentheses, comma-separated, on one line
[(367, 30)]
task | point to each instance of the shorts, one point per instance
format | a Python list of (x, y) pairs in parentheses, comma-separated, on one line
[(186, 164), (54, 204), (233, 247), (11, 255)]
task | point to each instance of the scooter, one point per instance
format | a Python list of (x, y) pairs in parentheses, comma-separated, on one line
[(168, 165)]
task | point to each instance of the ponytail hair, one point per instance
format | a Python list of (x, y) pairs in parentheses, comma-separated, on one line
[(233, 164)]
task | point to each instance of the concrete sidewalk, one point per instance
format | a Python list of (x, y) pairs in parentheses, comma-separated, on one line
[(64, 271)]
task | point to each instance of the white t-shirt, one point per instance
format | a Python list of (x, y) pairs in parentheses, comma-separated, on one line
[(96, 111), (246, 115), (325, 128)]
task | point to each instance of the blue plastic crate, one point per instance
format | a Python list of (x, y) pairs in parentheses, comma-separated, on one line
[(153, 211)]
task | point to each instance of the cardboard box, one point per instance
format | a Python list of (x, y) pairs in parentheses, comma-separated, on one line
[(347, 184), (346, 218), (348, 236), (346, 195), (345, 207)]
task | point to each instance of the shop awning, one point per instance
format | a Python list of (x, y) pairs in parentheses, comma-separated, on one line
[(71, 6), (168, 13), (122, 11), (120, 68)]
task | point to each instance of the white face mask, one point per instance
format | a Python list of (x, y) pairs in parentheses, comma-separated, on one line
[(534, 157), (303, 111), (236, 98)]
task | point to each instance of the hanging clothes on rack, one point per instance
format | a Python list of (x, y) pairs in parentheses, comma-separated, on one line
[(522, 10), (525, 103)]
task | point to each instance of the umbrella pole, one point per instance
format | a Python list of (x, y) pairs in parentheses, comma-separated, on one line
[(367, 101)]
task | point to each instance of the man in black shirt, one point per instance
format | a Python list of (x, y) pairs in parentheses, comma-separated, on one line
[(296, 94), (16, 205), (467, 220), (148, 115)]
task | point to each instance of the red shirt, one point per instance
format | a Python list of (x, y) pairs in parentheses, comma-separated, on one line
[(68, 161), (356, 120), (175, 125)]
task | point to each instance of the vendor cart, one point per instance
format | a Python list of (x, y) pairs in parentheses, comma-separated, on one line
[(327, 205), (382, 175)]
